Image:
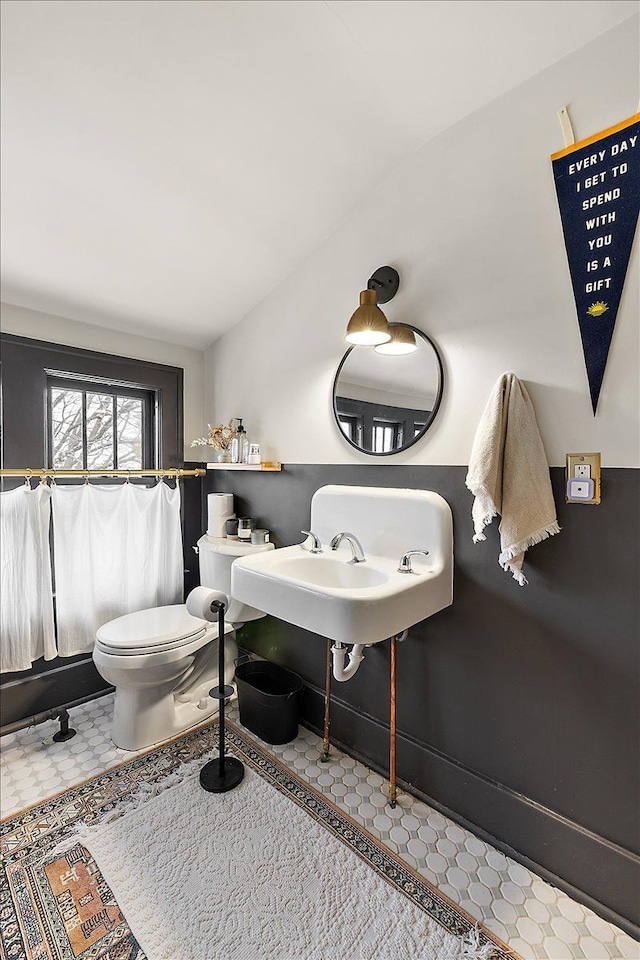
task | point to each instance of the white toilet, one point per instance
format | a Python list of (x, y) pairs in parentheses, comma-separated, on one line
[(163, 661)]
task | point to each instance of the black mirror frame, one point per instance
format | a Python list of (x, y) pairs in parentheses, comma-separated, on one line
[(434, 411)]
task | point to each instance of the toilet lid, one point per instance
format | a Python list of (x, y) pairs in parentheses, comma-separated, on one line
[(151, 629)]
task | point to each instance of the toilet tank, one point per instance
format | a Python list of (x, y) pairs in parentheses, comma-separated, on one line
[(216, 554)]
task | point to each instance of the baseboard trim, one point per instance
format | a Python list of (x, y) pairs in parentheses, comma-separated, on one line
[(52, 688), (591, 869)]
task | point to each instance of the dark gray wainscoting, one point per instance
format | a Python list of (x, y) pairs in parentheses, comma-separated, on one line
[(517, 706)]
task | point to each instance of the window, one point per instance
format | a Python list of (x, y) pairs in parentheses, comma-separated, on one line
[(351, 427), (387, 436), (99, 426)]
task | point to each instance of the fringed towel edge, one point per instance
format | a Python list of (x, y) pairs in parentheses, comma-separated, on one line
[(518, 550), (515, 572), (515, 549), (484, 509)]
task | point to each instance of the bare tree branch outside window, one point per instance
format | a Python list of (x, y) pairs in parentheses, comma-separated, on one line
[(113, 426)]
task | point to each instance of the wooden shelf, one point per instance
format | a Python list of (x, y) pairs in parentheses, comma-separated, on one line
[(270, 466)]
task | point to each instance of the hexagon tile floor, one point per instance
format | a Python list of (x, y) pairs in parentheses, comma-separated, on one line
[(533, 917)]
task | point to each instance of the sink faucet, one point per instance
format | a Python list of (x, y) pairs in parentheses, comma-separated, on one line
[(357, 553), (405, 561), (316, 546)]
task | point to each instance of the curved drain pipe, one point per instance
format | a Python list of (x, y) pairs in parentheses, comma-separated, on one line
[(356, 656)]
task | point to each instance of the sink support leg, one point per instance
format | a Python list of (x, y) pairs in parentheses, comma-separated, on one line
[(327, 701), (393, 793)]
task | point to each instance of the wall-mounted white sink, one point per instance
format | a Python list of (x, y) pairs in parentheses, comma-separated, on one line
[(357, 603)]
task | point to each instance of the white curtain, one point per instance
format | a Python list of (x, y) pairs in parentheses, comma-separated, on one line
[(116, 549), (26, 599)]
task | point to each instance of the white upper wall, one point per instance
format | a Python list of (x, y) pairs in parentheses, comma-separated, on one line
[(166, 163), (44, 326), (472, 224)]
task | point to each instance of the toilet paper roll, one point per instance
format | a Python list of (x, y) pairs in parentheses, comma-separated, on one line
[(219, 508), (218, 526), (199, 603), (220, 504)]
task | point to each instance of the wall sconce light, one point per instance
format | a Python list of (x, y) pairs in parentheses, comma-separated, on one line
[(368, 325), (403, 340)]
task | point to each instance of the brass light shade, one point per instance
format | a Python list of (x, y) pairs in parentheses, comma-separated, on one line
[(368, 325), (402, 341)]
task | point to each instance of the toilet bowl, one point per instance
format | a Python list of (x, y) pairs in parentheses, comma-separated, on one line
[(163, 661)]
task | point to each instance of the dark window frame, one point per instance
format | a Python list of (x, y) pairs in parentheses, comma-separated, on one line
[(354, 423), (116, 389), (26, 364)]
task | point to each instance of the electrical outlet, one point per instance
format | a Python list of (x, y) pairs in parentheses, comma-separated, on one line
[(583, 478)]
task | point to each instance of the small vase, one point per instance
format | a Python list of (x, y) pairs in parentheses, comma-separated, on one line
[(222, 456)]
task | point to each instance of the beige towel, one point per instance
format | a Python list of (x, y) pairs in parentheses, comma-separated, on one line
[(509, 475)]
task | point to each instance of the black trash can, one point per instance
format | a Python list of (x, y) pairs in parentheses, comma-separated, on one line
[(269, 700)]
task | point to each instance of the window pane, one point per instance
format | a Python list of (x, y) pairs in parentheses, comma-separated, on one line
[(129, 418), (100, 431), (382, 437), (387, 436), (66, 429)]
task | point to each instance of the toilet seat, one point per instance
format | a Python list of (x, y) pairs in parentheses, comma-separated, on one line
[(154, 630)]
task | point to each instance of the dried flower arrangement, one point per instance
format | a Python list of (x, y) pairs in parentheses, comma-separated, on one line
[(219, 437)]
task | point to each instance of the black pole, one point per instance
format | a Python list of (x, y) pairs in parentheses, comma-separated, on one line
[(221, 678), (224, 773)]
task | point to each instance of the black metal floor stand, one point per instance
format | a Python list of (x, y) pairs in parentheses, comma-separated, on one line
[(224, 773), (65, 732)]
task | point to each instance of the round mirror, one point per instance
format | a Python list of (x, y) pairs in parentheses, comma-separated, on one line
[(383, 404)]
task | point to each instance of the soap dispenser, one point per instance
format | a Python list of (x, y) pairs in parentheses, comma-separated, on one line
[(240, 444), (234, 447)]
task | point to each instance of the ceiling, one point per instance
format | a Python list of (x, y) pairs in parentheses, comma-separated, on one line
[(167, 163)]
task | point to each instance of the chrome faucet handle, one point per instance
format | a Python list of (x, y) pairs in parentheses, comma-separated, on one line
[(357, 553), (405, 560), (317, 546)]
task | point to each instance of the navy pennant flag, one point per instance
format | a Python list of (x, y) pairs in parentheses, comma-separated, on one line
[(598, 187)]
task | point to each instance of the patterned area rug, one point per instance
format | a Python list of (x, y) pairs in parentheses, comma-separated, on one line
[(57, 906)]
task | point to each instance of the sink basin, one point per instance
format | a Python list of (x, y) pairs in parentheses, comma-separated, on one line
[(357, 602), (321, 571)]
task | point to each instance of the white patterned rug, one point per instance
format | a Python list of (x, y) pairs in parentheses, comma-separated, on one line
[(272, 869), (248, 875)]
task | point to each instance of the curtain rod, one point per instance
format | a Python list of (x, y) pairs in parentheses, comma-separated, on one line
[(169, 472)]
